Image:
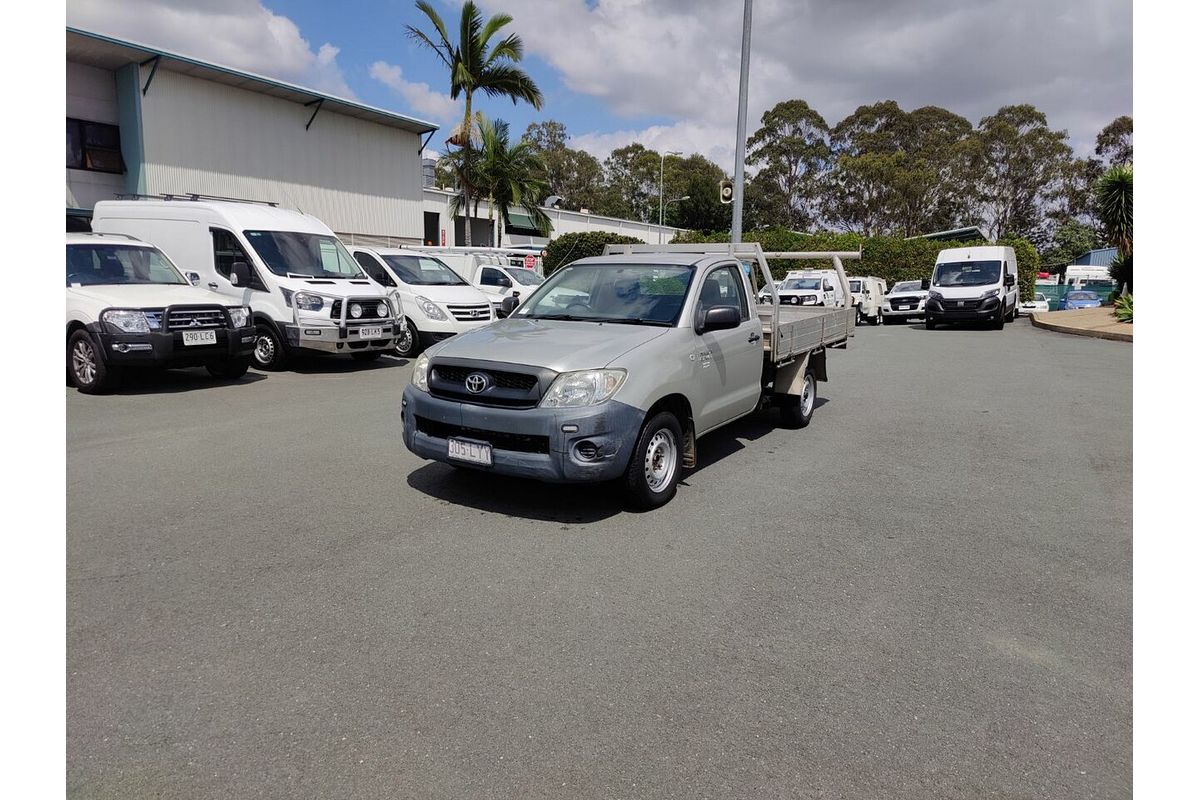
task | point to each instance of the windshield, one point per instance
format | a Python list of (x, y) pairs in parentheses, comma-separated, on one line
[(89, 264), (967, 273), (1082, 296), (856, 286), (304, 255), (633, 294), (1039, 297), (423, 271), (802, 283), (907, 286), (525, 277)]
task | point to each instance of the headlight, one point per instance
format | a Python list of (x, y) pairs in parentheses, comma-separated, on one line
[(308, 302), (584, 388), (934, 295), (239, 315), (127, 321), (381, 310), (420, 373), (990, 293), (429, 309), (355, 310)]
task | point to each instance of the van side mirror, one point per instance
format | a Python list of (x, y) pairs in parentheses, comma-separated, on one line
[(239, 273), (509, 305), (1010, 280), (925, 284), (193, 277), (720, 318)]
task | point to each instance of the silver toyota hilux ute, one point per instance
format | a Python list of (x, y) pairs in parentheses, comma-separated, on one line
[(616, 364)]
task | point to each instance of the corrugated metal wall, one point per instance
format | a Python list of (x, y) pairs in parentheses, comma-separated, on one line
[(358, 177)]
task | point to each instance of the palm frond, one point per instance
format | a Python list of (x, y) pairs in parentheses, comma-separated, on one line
[(510, 48), (493, 25), (421, 38), (1114, 205), (502, 80)]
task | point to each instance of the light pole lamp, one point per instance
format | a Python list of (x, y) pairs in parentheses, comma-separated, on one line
[(662, 160)]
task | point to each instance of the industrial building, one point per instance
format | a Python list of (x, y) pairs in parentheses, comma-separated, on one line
[(146, 121)]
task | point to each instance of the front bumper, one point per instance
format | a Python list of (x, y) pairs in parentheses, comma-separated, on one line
[(166, 348), (947, 311), (919, 311), (526, 443), (340, 338)]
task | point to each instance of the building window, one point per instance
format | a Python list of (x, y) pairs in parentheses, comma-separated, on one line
[(94, 146)]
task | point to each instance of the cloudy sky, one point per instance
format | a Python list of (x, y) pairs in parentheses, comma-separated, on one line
[(665, 72)]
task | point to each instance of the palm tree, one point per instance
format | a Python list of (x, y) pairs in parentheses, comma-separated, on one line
[(474, 65), (1114, 204)]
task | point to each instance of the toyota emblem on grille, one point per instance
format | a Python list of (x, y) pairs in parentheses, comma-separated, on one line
[(477, 382)]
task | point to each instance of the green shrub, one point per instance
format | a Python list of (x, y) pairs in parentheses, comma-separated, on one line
[(1123, 308), (574, 246)]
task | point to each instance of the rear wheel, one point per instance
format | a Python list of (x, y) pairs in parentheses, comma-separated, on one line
[(229, 370), (653, 472), (269, 354), (86, 366), (795, 411), (408, 343)]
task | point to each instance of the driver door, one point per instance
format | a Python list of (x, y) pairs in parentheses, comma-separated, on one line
[(728, 363)]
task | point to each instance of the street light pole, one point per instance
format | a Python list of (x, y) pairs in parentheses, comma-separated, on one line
[(672, 200), (739, 165), (662, 159)]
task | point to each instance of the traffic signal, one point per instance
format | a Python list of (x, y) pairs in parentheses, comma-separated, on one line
[(726, 191)]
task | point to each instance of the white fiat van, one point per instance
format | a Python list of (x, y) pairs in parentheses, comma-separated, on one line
[(438, 301), (306, 292), (973, 284)]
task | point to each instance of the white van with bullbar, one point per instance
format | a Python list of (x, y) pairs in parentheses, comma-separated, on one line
[(128, 306), (307, 293)]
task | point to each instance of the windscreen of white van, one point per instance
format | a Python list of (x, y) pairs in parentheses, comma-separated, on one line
[(303, 255), (423, 271), (967, 273)]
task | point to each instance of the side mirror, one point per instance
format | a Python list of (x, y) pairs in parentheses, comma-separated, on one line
[(194, 277), (720, 318), (925, 284), (509, 305), (239, 273), (1010, 281)]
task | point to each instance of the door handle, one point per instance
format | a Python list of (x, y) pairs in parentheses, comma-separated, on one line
[(213, 285), (754, 337)]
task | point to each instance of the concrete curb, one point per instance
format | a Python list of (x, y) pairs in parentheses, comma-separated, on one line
[(1072, 325)]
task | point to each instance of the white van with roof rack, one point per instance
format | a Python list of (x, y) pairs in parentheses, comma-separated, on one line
[(439, 302), (307, 293)]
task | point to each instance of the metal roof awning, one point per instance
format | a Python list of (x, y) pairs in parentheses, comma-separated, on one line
[(107, 52), (516, 219)]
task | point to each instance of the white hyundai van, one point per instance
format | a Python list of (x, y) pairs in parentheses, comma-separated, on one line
[(307, 293), (973, 284), (438, 301)]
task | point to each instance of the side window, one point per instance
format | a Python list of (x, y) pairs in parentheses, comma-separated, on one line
[(374, 269), (226, 250), (724, 287), (828, 285), (494, 277)]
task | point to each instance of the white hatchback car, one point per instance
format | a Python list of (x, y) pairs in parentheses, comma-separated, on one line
[(1038, 303)]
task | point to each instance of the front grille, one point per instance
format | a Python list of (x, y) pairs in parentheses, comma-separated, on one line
[(905, 301), (502, 388), (500, 440), (961, 305), (505, 380), (178, 319), (470, 313), (368, 304)]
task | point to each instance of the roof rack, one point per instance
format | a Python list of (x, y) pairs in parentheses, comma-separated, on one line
[(106, 235), (195, 196)]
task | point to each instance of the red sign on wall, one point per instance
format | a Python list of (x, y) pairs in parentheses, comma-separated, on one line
[(443, 237), (530, 262)]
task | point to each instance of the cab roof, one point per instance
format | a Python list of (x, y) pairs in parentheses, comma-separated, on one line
[(238, 215)]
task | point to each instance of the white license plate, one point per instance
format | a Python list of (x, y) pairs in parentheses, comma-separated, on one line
[(199, 337), (906, 308), (370, 333), (474, 452)]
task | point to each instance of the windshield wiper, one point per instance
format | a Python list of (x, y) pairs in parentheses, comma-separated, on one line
[(638, 321), (568, 318)]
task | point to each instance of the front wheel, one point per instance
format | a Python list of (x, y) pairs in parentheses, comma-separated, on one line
[(796, 412), (653, 472), (229, 370), (408, 343), (269, 354), (86, 366), (998, 322)]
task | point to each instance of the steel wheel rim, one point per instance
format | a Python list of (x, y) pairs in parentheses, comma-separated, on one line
[(808, 396), (404, 341), (83, 362), (264, 349), (660, 461)]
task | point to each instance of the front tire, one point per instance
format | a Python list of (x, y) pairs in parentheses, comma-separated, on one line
[(653, 472), (229, 370), (408, 345), (998, 323), (796, 412), (269, 355), (86, 365)]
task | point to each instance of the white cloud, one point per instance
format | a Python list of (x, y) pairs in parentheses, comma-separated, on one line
[(712, 141), (419, 96), (242, 34)]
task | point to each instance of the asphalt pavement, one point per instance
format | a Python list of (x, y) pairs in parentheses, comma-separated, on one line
[(926, 593)]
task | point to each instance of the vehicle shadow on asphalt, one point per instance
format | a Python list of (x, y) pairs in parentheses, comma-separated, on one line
[(171, 381), (517, 497), (336, 364), (724, 442)]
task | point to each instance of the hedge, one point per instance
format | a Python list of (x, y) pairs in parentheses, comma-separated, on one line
[(574, 246), (887, 257)]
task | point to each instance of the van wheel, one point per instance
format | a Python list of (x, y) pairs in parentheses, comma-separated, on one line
[(998, 322), (229, 370), (408, 344), (1012, 316), (796, 412), (86, 366), (269, 354), (653, 472)]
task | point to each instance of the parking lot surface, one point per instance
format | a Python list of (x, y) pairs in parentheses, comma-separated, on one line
[(926, 593)]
